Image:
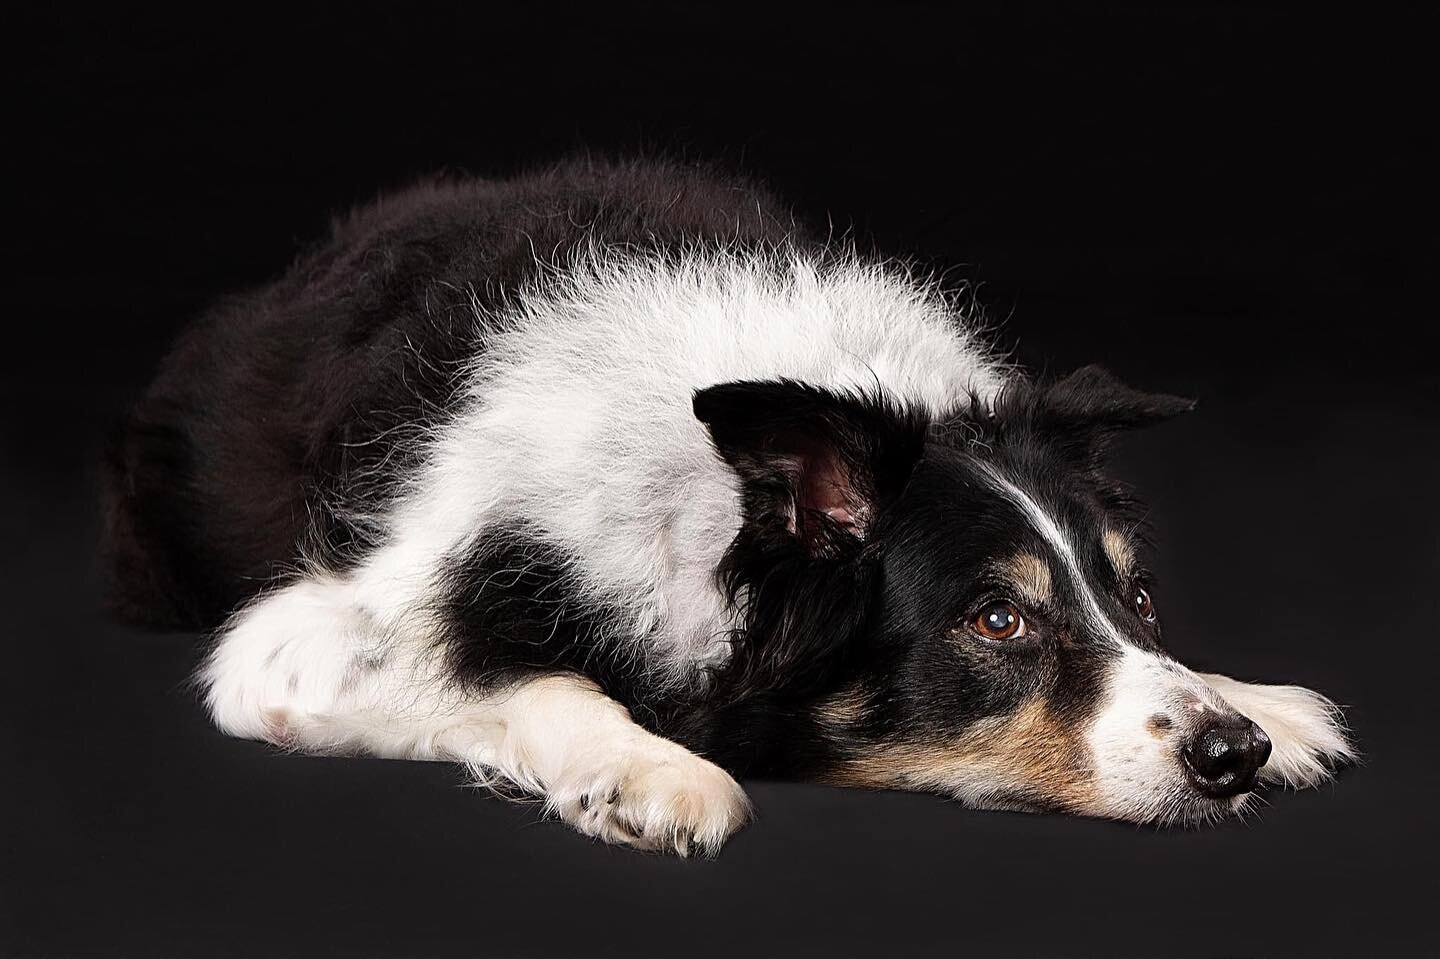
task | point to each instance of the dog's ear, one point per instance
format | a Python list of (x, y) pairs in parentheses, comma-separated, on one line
[(817, 470), (1082, 412), (816, 465)]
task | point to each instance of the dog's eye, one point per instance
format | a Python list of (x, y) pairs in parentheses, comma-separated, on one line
[(1144, 605), (1000, 621)]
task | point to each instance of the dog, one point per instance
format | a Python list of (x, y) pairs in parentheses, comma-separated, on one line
[(613, 483)]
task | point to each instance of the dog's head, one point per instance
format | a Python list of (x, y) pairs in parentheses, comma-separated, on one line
[(963, 600)]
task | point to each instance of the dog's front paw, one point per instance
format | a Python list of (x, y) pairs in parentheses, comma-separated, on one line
[(653, 795), (1307, 731)]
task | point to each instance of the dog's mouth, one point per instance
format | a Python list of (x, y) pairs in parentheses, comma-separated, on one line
[(1179, 801), (1201, 811), (1213, 772)]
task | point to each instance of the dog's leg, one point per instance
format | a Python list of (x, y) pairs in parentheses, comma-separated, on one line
[(1306, 730), (309, 667)]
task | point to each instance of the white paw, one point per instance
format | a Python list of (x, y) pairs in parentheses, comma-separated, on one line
[(1307, 731), (651, 794)]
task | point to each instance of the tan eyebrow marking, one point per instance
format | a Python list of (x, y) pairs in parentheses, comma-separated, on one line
[(1031, 577), (1121, 553)]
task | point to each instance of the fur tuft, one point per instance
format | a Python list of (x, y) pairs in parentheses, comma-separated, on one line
[(1307, 731)]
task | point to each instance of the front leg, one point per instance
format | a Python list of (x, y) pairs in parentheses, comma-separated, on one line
[(311, 667), (607, 776), (1306, 730)]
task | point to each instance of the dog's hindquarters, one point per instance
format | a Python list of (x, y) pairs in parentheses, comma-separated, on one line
[(282, 424)]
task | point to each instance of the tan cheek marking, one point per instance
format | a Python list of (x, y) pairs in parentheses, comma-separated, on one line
[(1031, 750), (1121, 553), (1031, 576), (843, 710)]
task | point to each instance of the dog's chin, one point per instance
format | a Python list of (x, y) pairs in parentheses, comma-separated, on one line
[(1171, 801), (1184, 809), (1200, 810), (1179, 805), (1174, 805)]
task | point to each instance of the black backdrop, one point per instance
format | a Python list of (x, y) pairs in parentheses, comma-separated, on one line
[(1224, 202)]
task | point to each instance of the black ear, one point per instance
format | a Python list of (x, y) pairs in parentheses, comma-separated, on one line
[(816, 465), (1083, 411)]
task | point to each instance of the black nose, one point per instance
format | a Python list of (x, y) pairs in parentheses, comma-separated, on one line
[(1225, 755)]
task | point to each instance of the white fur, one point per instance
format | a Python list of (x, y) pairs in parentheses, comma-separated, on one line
[(1307, 731), (1136, 768), (310, 668), (1050, 530), (578, 424)]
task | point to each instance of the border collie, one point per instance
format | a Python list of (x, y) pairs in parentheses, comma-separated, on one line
[(612, 483)]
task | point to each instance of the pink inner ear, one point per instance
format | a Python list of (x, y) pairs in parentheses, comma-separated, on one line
[(828, 488)]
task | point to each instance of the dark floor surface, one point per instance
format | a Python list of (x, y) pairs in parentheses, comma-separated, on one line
[(1225, 202)]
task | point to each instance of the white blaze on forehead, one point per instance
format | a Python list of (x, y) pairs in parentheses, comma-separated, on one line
[(1055, 536), (1160, 679), (1136, 772)]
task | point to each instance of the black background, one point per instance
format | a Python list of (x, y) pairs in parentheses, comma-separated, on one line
[(1225, 202)]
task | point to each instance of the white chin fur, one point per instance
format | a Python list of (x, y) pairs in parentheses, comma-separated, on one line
[(1306, 730)]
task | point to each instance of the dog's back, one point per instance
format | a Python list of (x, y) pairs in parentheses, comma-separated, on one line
[(282, 421)]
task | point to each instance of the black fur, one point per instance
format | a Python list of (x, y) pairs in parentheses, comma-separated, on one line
[(871, 616), (287, 411), (286, 415), (876, 619)]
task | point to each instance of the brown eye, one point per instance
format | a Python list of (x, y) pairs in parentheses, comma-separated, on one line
[(999, 621), (1144, 605)]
